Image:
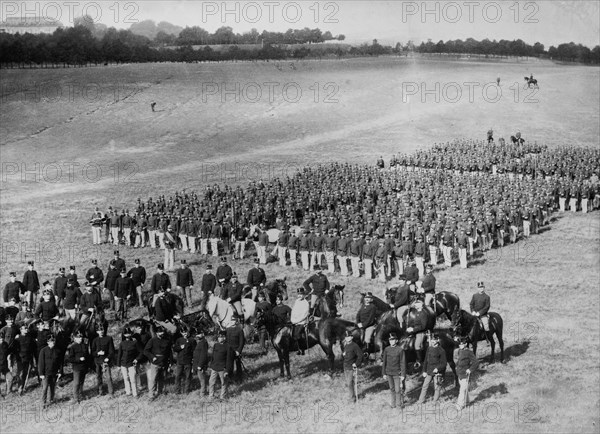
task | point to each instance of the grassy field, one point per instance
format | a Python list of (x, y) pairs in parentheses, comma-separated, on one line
[(61, 156)]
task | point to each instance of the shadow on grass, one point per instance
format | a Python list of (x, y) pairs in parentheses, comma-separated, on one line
[(498, 389), (515, 351)]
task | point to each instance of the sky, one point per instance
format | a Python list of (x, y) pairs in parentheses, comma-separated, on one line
[(549, 22)]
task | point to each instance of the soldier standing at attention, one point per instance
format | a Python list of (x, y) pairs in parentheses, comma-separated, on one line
[(394, 369), (353, 357)]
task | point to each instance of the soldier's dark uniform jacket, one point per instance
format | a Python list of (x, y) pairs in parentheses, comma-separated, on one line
[(256, 277), (200, 356), (319, 282), (160, 280), (480, 303), (47, 310), (402, 296), (209, 283), (74, 354), (428, 283), (222, 358), (352, 355), (158, 351), (419, 322), (138, 275), (163, 310), (49, 361), (184, 355), (367, 315), (90, 300), (106, 344), (232, 290), (235, 338), (27, 348), (434, 358)]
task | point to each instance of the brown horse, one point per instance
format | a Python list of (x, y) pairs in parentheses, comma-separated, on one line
[(466, 325)]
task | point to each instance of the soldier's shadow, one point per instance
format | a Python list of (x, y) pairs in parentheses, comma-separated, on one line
[(492, 391)]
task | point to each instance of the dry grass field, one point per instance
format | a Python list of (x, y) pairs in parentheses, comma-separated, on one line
[(92, 140)]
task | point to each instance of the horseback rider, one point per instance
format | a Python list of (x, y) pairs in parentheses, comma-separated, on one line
[(320, 287), (428, 286), (401, 300), (480, 305), (300, 317), (232, 294), (256, 278), (366, 320), (281, 311), (417, 327)]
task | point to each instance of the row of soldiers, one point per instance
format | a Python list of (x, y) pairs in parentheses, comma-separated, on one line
[(141, 358), (531, 159)]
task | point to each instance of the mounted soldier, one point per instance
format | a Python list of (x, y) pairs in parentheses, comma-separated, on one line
[(299, 318), (480, 305)]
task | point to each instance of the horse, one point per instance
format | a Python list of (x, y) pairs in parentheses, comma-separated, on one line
[(530, 81), (274, 288), (326, 307), (338, 295), (223, 312), (380, 305), (446, 302), (517, 140), (281, 338), (176, 302), (199, 321), (466, 325), (326, 332), (388, 322), (407, 343)]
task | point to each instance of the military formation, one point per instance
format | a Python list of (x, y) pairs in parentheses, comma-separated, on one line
[(443, 204), (437, 205)]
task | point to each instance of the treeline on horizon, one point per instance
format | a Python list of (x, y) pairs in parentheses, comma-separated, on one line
[(88, 43)]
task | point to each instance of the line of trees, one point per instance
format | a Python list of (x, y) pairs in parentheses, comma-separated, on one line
[(89, 43), (565, 52)]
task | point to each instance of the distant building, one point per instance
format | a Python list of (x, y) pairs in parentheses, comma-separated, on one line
[(33, 25)]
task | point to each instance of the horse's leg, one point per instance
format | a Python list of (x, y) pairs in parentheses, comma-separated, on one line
[(450, 358), (500, 342), (281, 361), (490, 337), (286, 356)]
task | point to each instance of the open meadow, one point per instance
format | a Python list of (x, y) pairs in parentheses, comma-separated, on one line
[(73, 139)]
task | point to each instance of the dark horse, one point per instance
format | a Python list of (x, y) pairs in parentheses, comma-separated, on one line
[(326, 307), (326, 332), (446, 302), (281, 338), (388, 322), (466, 325), (271, 290), (407, 343), (531, 81), (176, 302)]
